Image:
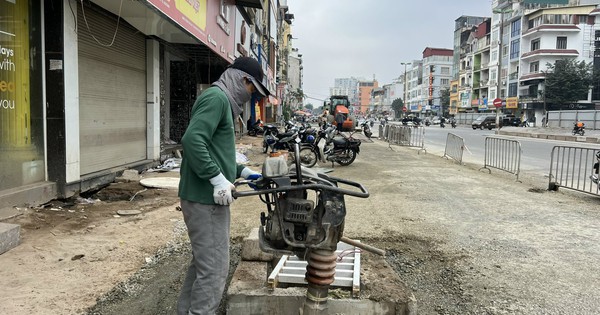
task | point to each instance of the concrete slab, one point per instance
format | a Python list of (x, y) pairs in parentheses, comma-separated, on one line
[(251, 249), (9, 236), (33, 194), (383, 294)]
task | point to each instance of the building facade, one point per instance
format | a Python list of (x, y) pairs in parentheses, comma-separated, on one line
[(89, 89)]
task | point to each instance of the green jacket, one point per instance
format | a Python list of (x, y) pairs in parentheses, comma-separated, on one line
[(208, 147)]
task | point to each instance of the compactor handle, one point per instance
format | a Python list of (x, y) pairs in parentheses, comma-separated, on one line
[(363, 193)]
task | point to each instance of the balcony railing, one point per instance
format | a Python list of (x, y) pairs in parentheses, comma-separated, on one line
[(513, 76)]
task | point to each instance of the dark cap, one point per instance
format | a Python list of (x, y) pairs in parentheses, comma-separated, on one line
[(252, 67)]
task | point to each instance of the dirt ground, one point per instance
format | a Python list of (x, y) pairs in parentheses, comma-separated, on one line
[(464, 242)]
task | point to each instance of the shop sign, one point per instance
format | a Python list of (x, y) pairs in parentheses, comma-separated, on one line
[(210, 21), (483, 105), (189, 14), (15, 107), (464, 100), (512, 102)]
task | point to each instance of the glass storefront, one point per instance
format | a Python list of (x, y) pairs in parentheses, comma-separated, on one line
[(21, 105)]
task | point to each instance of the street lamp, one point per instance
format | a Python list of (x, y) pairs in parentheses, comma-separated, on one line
[(404, 101), (499, 75)]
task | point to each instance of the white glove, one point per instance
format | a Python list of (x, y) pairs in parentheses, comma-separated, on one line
[(248, 173), (222, 191)]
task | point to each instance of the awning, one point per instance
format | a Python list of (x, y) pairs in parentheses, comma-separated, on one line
[(250, 3), (273, 100)]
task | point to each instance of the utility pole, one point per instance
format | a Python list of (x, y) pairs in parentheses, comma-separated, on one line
[(500, 44), (405, 85)]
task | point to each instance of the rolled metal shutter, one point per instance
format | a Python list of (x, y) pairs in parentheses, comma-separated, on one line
[(112, 91)]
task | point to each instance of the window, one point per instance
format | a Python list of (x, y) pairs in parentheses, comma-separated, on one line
[(561, 42), (533, 91), (445, 70), (444, 82), (512, 89), (515, 47), (515, 28), (534, 67), (535, 44)]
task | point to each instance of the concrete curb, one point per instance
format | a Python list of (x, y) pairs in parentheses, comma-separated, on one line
[(9, 236), (586, 139)]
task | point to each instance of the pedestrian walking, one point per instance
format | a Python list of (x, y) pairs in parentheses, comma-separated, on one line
[(339, 119), (208, 169), (323, 118)]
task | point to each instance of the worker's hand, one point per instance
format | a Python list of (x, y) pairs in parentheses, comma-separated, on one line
[(222, 190), (249, 174)]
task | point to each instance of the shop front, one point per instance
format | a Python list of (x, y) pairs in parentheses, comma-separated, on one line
[(22, 144)]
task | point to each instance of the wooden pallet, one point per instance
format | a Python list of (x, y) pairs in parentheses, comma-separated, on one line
[(291, 270)]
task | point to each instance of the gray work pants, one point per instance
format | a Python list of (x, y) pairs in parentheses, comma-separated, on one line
[(208, 229)]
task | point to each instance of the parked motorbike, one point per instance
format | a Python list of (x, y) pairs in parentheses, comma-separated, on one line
[(427, 123), (285, 142), (442, 124), (256, 128), (366, 129), (337, 147), (578, 129), (453, 123), (307, 133)]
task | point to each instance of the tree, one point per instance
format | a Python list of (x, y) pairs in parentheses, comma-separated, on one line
[(397, 106), (309, 106), (297, 97), (444, 100), (567, 81)]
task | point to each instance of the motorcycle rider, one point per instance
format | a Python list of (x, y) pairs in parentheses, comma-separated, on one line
[(323, 118), (578, 128)]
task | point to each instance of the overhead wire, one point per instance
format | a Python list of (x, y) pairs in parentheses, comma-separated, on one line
[(90, 31)]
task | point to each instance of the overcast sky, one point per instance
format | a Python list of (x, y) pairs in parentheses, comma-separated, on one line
[(366, 38)]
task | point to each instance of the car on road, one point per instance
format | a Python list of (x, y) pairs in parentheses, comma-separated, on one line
[(510, 120), (484, 121)]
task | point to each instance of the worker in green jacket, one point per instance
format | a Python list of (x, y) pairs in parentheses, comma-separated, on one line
[(208, 169)]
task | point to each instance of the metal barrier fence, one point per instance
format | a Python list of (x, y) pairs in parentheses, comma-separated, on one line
[(455, 146), (502, 154), (574, 168), (408, 136), (383, 131)]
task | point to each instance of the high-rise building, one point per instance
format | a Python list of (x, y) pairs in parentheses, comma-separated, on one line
[(346, 86)]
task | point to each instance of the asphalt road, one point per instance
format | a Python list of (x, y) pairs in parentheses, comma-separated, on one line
[(536, 153)]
